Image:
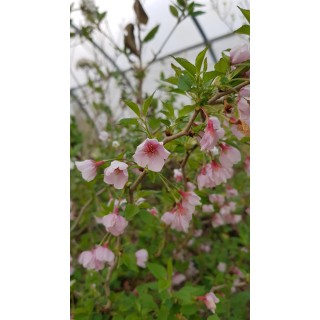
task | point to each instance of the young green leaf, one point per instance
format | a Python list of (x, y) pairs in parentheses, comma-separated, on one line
[(199, 59), (151, 34), (185, 82), (130, 211), (169, 108), (246, 13), (174, 11), (157, 270), (245, 29), (146, 105), (187, 65), (133, 106), (128, 121)]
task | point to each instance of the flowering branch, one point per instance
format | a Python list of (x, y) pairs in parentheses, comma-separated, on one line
[(224, 93), (186, 130)]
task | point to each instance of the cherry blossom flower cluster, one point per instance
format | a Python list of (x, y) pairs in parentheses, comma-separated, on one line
[(96, 258), (225, 215), (180, 216)]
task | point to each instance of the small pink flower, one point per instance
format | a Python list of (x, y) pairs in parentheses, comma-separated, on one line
[(153, 211), (244, 110), (115, 223), (178, 278), (235, 270), (152, 154), (212, 133), (88, 168), (190, 199), (204, 179), (205, 248), (103, 254), (247, 165), (140, 201), (229, 155), (142, 257), (239, 54), (231, 192), (217, 220), (233, 218), (217, 198), (207, 208), (210, 301), (190, 186), (96, 258), (179, 218), (222, 267), (220, 174), (116, 174), (228, 208), (236, 132), (198, 233), (178, 175)]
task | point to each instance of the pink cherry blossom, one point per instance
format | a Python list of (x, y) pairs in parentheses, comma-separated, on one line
[(190, 199), (152, 154), (88, 168), (198, 233), (220, 174), (222, 267), (207, 208), (190, 186), (239, 54), (178, 175), (204, 179), (217, 198), (231, 192), (210, 301), (103, 254), (237, 133), (179, 218), (114, 223), (178, 278), (153, 211), (247, 165), (217, 220), (116, 174), (205, 248), (212, 133), (244, 110), (142, 257), (229, 155), (96, 258)]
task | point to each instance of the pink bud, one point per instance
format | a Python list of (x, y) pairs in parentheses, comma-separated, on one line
[(116, 174), (239, 54), (142, 257)]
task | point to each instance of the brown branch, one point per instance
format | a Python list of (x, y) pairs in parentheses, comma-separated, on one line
[(224, 93), (183, 165), (134, 186), (185, 131), (80, 214)]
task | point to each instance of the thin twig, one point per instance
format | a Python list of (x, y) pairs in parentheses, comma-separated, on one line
[(183, 166), (224, 93), (80, 214)]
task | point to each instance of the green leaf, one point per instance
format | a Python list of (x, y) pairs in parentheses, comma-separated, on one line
[(221, 66), (172, 80), (146, 104), (125, 121), (174, 11), (147, 303), (169, 268), (186, 64), (188, 293), (169, 107), (245, 29), (209, 76), (185, 82), (151, 34), (214, 317), (157, 270), (199, 59), (130, 211), (133, 106), (163, 285), (186, 110), (246, 13)]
